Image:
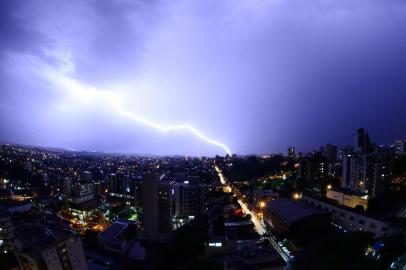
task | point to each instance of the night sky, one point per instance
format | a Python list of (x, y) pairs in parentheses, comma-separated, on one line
[(254, 75)]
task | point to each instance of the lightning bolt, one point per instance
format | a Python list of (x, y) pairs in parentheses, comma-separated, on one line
[(161, 128), (84, 92)]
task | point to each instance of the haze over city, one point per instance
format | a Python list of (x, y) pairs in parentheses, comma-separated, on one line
[(252, 76)]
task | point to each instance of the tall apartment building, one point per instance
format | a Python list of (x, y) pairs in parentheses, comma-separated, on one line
[(67, 186), (362, 142), (358, 173), (158, 206), (166, 207), (365, 173), (291, 152), (190, 199)]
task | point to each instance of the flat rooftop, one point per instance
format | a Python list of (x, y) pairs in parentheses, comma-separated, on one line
[(291, 210), (38, 237)]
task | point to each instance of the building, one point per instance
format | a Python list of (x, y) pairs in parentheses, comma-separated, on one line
[(291, 216), (330, 152), (158, 206), (166, 207), (67, 186), (291, 152), (43, 247), (400, 146), (119, 183), (190, 199), (348, 198), (358, 173), (81, 201), (365, 173), (362, 143), (346, 175), (150, 205), (118, 236), (348, 219), (136, 187), (314, 170), (81, 192), (112, 183)]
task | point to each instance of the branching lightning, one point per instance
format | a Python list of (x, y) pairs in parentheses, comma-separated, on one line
[(87, 93)]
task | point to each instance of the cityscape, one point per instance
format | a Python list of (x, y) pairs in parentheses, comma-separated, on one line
[(204, 134), (332, 208)]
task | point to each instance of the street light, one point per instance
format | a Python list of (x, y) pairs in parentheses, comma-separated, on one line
[(329, 186), (262, 204)]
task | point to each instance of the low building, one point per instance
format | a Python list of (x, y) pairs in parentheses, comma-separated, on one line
[(118, 235), (348, 198), (349, 219), (287, 215)]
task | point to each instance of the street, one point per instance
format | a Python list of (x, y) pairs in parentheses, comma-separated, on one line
[(259, 226)]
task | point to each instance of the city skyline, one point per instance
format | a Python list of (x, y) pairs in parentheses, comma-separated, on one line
[(246, 77)]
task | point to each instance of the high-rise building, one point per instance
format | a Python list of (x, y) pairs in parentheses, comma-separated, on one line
[(291, 152), (346, 181), (158, 204), (123, 181), (166, 207), (314, 170), (190, 199), (400, 147), (362, 143), (81, 192), (119, 183), (136, 190), (43, 247), (330, 152), (67, 186), (343, 151), (150, 205), (358, 173), (112, 183)]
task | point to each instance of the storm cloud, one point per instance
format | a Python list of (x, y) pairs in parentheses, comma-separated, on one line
[(255, 75)]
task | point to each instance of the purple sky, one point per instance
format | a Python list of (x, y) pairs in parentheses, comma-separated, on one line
[(254, 75)]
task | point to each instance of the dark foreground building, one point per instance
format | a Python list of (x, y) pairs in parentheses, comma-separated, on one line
[(293, 217)]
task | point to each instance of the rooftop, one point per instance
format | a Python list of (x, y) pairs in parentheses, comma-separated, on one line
[(38, 237), (291, 210)]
